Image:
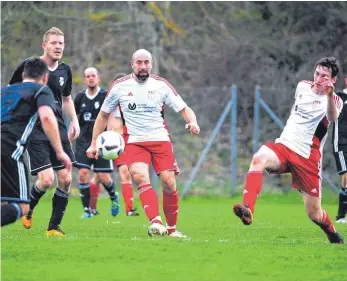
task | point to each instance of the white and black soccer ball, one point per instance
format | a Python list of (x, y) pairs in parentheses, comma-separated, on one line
[(110, 145)]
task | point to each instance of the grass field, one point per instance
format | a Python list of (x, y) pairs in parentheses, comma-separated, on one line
[(281, 244)]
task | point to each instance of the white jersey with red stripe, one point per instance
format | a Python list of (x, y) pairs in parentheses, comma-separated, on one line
[(142, 106), (307, 125)]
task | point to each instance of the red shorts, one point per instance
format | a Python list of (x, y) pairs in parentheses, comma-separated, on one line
[(306, 173), (158, 153), (121, 160)]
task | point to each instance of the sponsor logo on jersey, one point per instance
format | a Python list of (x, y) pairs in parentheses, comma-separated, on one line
[(130, 94), (61, 81), (87, 116), (96, 105), (132, 106)]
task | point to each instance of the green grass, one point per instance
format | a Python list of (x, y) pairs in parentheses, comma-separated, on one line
[(281, 244)]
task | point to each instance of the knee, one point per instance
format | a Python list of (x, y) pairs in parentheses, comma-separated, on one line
[(258, 161), (104, 178), (140, 179), (83, 176), (24, 209), (124, 175), (45, 180), (315, 215), (169, 183), (64, 178)]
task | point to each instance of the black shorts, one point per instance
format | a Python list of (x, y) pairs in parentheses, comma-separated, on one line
[(14, 180), (42, 156), (341, 161), (98, 166)]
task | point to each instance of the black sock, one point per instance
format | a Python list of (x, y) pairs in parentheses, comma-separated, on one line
[(59, 203), (10, 213), (110, 189), (85, 195), (35, 196), (342, 203)]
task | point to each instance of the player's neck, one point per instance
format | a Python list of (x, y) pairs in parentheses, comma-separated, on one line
[(93, 91), (50, 63), (345, 91), (137, 79), (29, 80)]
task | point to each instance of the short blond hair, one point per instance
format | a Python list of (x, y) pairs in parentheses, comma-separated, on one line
[(53, 31)]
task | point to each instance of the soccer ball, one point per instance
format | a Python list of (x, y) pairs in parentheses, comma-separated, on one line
[(110, 145)]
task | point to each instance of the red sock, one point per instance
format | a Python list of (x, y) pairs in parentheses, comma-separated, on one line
[(170, 206), (94, 194), (326, 224), (149, 201), (128, 196), (252, 188)]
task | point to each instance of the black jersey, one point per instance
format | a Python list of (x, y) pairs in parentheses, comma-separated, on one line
[(60, 82), (87, 108), (19, 105), (340, 126)]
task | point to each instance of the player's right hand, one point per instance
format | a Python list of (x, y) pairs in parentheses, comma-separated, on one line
[(328, 86), (63, 157), (193, 128), (92, 152)]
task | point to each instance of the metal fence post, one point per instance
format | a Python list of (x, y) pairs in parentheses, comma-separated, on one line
[(206, 149), (233, 140), (256, 111)]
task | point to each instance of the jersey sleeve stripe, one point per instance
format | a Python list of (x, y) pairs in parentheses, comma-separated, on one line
[(166, 82), (127, 77)]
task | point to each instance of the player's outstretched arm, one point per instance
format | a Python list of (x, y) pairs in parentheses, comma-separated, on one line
[(50, 127), (99, 126), (190, 118), (69, 109)]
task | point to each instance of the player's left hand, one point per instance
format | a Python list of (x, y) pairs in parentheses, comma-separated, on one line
[(92, 152), (74, 130), (193, 128), (328, 87)]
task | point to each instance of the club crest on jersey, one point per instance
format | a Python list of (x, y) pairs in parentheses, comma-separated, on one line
[(151, 95), (96, 105), (132, 106), (315, 104), (61, 81)]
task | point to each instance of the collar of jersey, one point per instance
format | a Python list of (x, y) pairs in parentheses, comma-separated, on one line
[(92, 97)]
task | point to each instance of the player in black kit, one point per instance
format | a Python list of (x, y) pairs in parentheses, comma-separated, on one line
[(21, 106), (87, 105), (340, 152), (43, 159)]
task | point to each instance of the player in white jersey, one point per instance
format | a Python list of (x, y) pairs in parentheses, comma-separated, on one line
[(141, 97), (299, 148)]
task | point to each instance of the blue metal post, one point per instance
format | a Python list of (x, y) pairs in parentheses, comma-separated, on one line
[(271, 113), (233, 140), (207, 148), (256, 111)]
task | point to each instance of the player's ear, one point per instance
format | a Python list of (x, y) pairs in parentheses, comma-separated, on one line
[(43, 45), (45, 78), (333, 79)]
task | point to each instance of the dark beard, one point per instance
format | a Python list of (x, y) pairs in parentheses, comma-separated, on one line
[(142, 77), (92, 88)]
